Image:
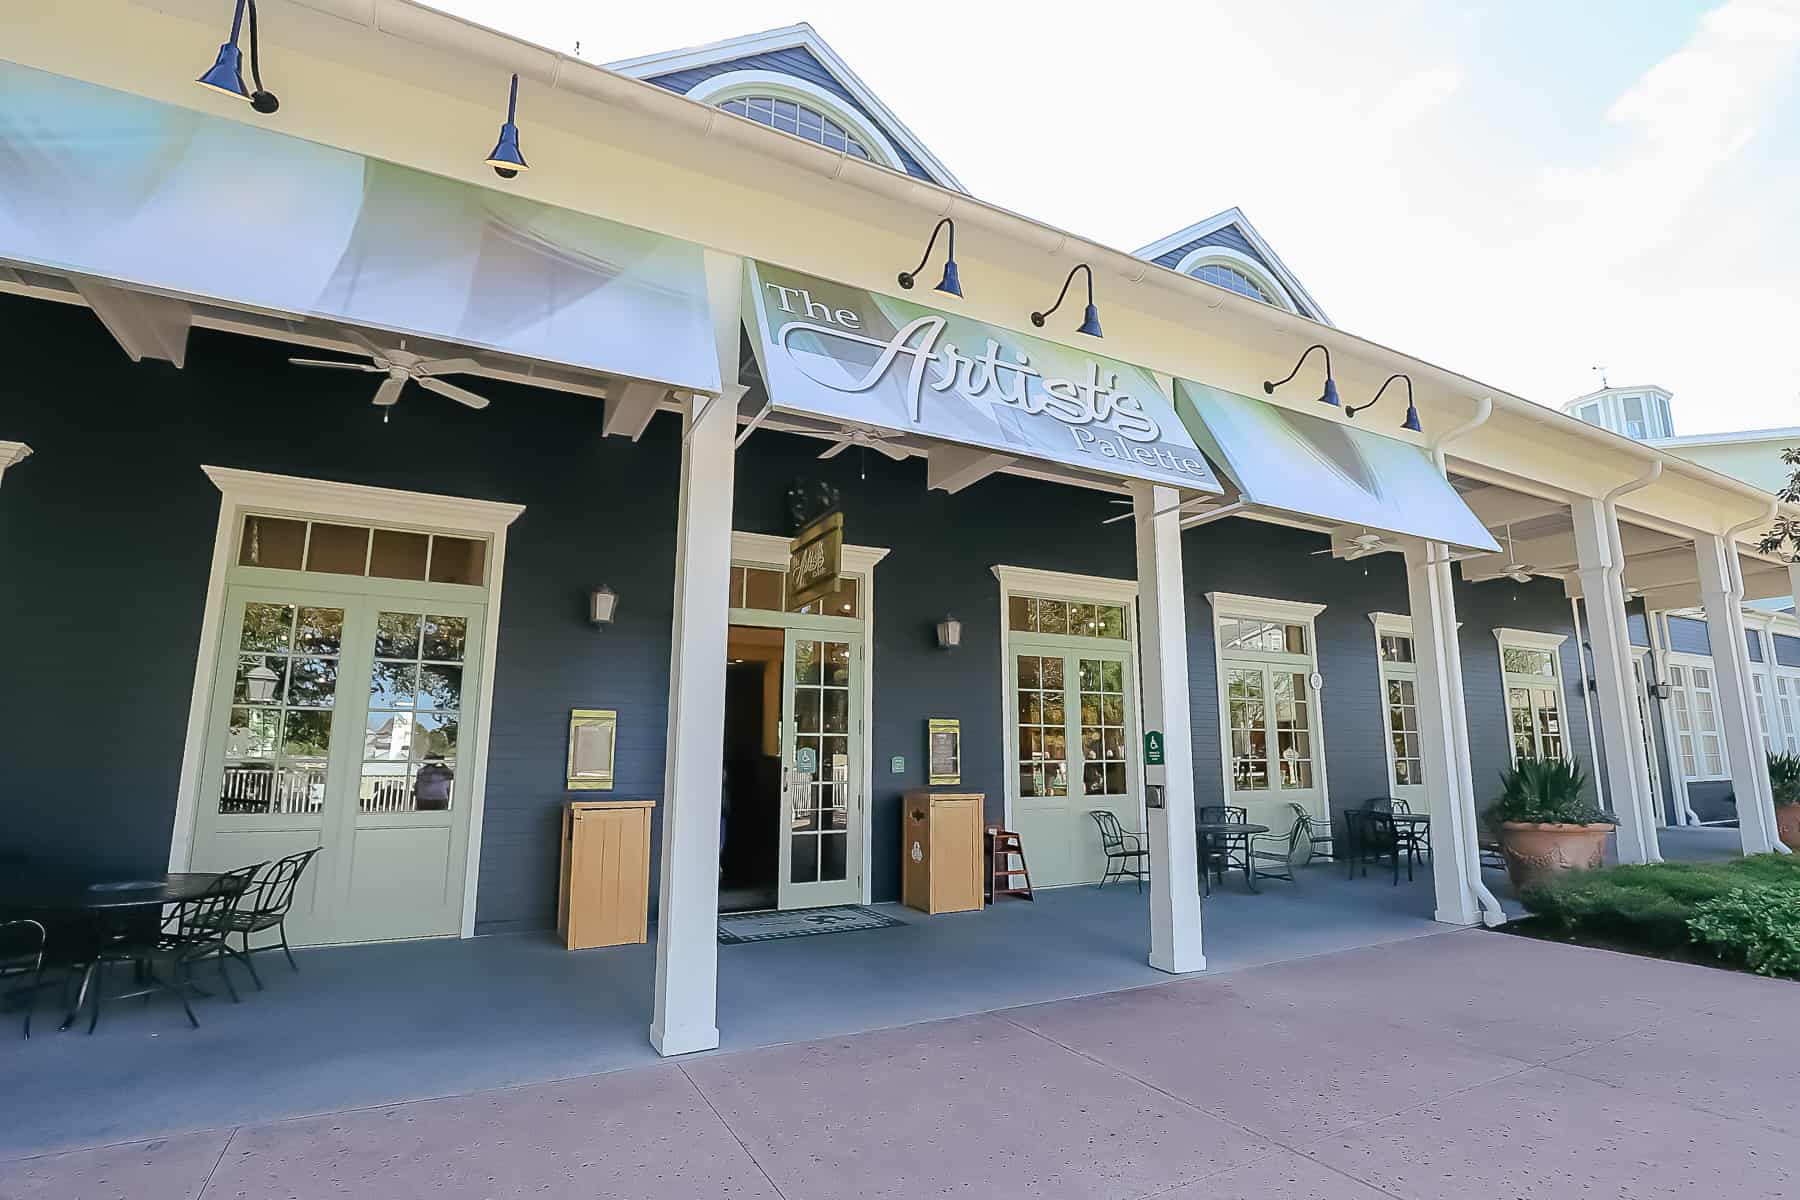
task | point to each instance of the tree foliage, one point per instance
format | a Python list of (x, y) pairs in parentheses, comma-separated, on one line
[(1784, 537)]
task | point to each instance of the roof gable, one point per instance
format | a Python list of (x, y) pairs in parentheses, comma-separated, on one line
[(1232, 233), (799, 53)]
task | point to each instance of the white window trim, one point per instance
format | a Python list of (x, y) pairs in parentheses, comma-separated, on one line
[(1090, 589), (1532, 639), (1237, 260), (11, 455), (1236, 604), (1394, 624), (240, 491), (769, 550), (1679, 658), (732, 84)]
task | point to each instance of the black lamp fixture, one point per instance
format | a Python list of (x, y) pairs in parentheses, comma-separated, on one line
[(506, 159), (951, 284), (226, 75), (1090, 322), (603, 606), (1329, 396), (1412, 411), (949, 633)]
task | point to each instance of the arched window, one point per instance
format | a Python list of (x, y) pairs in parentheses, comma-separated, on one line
[(790, 116), (1224, 267), (1231, 278)]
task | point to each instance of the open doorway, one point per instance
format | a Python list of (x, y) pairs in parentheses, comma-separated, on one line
[(750, 821)]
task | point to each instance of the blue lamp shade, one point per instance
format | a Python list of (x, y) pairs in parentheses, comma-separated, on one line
[(1331, 396), (1412, 420), (1090, 324), (227, 74), (506, 158), (951, 283)]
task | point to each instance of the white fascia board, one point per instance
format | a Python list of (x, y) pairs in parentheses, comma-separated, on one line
[(1235, 216), (786, 38), (1789, 435)]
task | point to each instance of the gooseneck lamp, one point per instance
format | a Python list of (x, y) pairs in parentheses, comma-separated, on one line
[(1329, 396), (1090, 323), (506, 159), (226, 75), (951, 284), (1412, 411)]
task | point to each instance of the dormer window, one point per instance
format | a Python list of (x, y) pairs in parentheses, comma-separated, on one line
[(1235, 272), (1232, 279), (801, 120)]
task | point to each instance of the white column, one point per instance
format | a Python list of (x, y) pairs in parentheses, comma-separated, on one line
[(687, 921), (1723, 591), (1444, 734), (1162, 649), (1597, 550)]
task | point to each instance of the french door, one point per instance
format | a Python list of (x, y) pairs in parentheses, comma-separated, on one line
[(337, 721), (1076, 721), (822, 807), (1272, 717)]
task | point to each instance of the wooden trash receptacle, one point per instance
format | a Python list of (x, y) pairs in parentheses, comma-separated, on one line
[(605, 873), (941, 850)]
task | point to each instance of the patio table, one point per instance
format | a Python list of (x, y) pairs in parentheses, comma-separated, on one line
[(106, 905), (1229, 833)]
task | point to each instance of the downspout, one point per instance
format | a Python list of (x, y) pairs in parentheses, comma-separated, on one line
[(1615, 586), (1493, 915), (1764, 796), (1587, 697)]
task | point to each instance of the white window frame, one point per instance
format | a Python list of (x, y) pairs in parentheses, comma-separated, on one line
[(1292, 612), (1225, 256), (769, 551), (1531, 639), (734, 84), (1684, 694), (1787, 707), (1086, 589), (244, 492), (1395, 625)]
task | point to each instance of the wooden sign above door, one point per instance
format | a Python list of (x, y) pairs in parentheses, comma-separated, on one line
[(815, 560)]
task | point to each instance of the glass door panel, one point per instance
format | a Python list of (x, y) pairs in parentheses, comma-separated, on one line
[(821, 833), (1272, 726)]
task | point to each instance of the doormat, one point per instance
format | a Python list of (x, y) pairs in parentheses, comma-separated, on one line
[(737, 928)]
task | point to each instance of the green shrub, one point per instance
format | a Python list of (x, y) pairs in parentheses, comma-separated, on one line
[(1758, 926), (1547, 790), (1651, 906), (1784, 778)]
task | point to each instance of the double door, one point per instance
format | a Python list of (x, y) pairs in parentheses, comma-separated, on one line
[(1272, 717), (823, 812), (337, 721)]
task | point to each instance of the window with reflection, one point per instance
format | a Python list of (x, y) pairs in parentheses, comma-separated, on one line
[(415, 713), (278, 735), (801, 120), (1533, 681), (333, 548)]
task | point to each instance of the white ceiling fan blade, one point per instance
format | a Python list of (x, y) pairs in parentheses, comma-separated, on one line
[(389, 392), (896, 452), (835, 450), (460, 395), (334, 364), (447, 366)]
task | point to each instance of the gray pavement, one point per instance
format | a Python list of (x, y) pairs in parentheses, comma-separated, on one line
[(1462, 1064)]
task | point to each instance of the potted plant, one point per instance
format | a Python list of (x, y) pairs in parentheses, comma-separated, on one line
[(1784, 781), (1546, 823)]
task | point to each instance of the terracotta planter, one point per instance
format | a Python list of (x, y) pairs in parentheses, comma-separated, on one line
[(1535, 851), (1787, 825)]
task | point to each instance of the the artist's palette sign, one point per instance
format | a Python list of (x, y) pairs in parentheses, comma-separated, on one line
[(839, 352)]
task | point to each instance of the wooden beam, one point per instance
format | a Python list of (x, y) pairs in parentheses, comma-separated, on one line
[(953, 468), (145, 326), (628, 412)]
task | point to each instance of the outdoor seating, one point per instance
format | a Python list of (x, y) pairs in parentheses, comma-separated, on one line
[(1415, 833), (1283, 852), (264, 906), (22, 953), (1125, 852), (1221, 853), (1319, 835), (1377, 838), (189, 936)]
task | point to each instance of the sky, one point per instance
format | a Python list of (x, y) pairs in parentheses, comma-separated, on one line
[(1519, 190)]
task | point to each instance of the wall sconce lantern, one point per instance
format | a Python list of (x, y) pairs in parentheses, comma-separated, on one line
[(1412, 412), (1090, 321), (506, 159), (226, 75), (951, 284), (603, 603), (259, 684), (1662, 691), (1329, 395), (949, 633)]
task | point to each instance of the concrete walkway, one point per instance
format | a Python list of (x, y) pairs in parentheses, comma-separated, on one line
[(1456, 1065)]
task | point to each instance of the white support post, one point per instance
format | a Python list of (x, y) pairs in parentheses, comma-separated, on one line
[(1723, 591), (1597, 550), (1444, 738), (687, 922), (1175, 944)]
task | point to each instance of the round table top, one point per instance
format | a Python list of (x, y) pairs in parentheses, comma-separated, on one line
[(1229, 827), (53, 891), (1411, 818)]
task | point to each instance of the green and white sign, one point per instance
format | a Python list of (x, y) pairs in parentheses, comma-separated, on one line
[(838, 352), (1153, 748)]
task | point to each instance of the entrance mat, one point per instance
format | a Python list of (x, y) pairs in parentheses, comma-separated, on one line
[(738, 928)]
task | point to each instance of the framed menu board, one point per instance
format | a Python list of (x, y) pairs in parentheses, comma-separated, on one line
[(943, 750)]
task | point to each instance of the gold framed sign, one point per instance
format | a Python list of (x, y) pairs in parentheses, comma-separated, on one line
[(943, 750), (591, 737), (815, 561)]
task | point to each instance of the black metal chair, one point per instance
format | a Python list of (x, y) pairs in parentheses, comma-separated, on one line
[(22, 953), (1288, 850), (1323, 844), (1125, 852), (1415, 834), (189, 936), (1378, 838), (1217, 850), (265, 906)]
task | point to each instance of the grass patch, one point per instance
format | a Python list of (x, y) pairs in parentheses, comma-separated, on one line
[(1651, 908)]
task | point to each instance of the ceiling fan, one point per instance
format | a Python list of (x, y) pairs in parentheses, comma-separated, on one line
[(1515, 570), (401, 366), (1363, 543), (871, 439)]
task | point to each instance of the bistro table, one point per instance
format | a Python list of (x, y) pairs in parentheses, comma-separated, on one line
[(105, 906), (1229, 833)]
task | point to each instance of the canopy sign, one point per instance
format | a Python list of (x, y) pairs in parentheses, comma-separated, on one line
[(1293, 461), (834, 351), (108, 184)]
